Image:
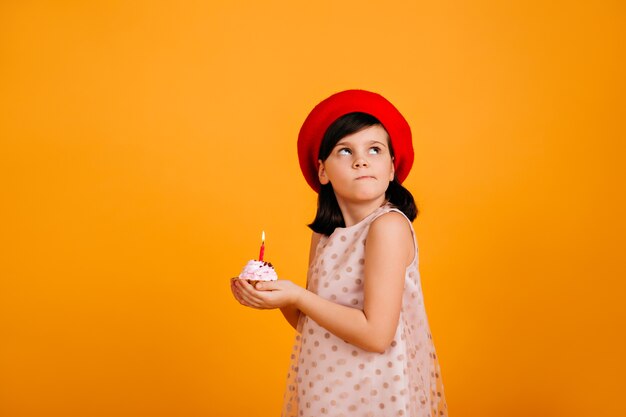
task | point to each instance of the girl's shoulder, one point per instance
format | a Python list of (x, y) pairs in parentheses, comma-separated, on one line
[(393, 230), (391, 221), (391, 215), (315, 240)]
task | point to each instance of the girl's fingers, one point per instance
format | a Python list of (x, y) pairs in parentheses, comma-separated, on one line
[(247, 294), (250, 291), (245, 300), (240, 294), (245, 284)]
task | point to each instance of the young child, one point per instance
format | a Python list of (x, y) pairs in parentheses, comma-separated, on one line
[(364, 346)]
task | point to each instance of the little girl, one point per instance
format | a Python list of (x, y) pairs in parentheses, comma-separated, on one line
[(364, 346)]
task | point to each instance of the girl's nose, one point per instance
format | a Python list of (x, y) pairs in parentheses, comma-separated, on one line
[(360, 162)]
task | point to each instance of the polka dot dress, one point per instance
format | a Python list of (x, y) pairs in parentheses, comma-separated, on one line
[(330, 377)]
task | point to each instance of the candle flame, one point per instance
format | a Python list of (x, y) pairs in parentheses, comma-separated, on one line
[(263, 237)]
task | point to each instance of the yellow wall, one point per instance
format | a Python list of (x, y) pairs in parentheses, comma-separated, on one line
[(145, 145)]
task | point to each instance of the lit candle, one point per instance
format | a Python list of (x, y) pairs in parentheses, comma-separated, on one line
[(262, 246)]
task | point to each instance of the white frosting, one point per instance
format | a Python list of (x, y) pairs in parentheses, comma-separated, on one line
[(258, 271)]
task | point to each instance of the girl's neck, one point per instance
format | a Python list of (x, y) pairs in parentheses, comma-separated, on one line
[(353, 213)]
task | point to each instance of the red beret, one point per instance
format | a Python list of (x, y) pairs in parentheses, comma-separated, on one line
[(340, 104)]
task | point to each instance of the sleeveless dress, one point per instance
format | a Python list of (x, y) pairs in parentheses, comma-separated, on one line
[(331, 377)]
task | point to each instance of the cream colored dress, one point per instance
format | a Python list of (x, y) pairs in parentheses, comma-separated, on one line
[(331, 377)]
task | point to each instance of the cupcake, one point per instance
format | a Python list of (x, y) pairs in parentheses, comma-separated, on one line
[(256, 271)]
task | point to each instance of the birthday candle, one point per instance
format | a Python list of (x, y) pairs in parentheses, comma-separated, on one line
[(262, 251)]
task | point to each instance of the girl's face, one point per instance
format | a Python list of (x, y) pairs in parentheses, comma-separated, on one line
[(360, 166)]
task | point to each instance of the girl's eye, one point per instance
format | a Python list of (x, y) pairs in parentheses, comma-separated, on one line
[(344, 151), (374, 150)]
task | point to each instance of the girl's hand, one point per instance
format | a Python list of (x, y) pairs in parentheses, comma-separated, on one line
[(266, 295)]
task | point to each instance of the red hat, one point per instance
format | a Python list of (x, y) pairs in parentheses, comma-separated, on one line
[(340, 104)]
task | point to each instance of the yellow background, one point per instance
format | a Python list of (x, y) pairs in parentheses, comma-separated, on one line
[(145, 145)]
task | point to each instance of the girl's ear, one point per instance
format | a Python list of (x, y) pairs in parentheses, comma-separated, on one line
[(321, 173), (393, 170)]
